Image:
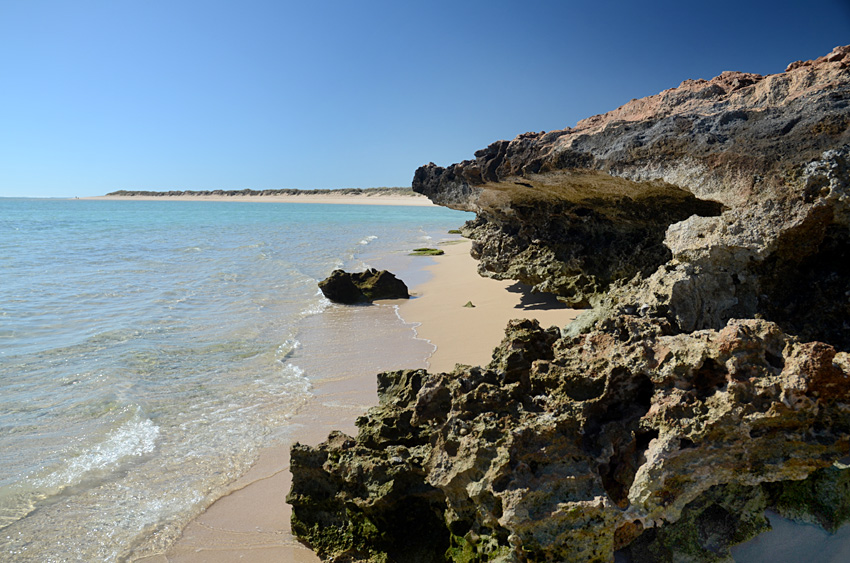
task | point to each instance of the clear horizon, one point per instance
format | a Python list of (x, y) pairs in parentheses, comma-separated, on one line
[(101, 96)]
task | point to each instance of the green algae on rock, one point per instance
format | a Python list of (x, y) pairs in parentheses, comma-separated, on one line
[(351, 505), (359, 287), (427, 252)]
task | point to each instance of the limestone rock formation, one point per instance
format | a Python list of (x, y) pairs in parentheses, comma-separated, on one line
[(707, 230), (358, 287), (742, 174), (568, 448)]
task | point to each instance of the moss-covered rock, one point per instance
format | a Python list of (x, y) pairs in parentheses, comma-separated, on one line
[(366, 498), (427, 252), (359, 287), (822, 499), (709, 526)]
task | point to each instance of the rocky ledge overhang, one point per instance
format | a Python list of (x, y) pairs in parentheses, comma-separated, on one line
[(707, 229), (741, 179)]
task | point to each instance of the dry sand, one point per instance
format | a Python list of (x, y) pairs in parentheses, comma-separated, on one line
[(352, 199), (252, 523), (467, 335)]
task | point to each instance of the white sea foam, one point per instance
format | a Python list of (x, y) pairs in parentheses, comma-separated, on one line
[(135, 438), (297, 381), (318, 306), (296, 371), (289, 346), (413, 327), (368, 239)]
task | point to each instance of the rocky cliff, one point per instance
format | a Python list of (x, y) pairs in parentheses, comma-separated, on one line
[(706, 230), (742, 177)]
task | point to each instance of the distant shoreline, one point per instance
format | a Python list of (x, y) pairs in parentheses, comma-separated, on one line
[(372, 196)]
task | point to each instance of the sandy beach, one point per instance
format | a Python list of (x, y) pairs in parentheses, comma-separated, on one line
[(252, 522), (352, 199), (467, 335)]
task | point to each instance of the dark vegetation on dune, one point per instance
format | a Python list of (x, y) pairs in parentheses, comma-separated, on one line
[(247, 192)]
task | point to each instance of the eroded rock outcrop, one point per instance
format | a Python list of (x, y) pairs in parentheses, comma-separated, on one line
[(708, 229), (359, 287), (568, 448)]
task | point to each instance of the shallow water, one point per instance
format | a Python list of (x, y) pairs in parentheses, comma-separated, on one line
[(149, 349)]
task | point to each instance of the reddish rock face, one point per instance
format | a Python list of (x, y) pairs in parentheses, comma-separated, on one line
[(723, 139)]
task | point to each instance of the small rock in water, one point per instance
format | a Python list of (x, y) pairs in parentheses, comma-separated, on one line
[(349, 288)]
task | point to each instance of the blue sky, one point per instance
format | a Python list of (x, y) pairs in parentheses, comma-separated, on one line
[(97, 96)]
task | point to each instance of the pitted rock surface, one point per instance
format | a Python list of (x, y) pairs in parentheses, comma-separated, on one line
[(567, 448)]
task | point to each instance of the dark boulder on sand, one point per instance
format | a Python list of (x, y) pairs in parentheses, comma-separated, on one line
[(360, 287)]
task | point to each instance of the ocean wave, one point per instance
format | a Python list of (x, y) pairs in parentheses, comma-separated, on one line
[(413, 326), (285, 350), (297, 380), (284, 394), (135, 438), (368, 239), (318, 306)]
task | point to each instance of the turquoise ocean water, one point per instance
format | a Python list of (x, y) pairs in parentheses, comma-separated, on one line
[(148, 350)]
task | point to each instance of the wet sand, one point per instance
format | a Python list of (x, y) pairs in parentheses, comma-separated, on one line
[(252, 522)]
